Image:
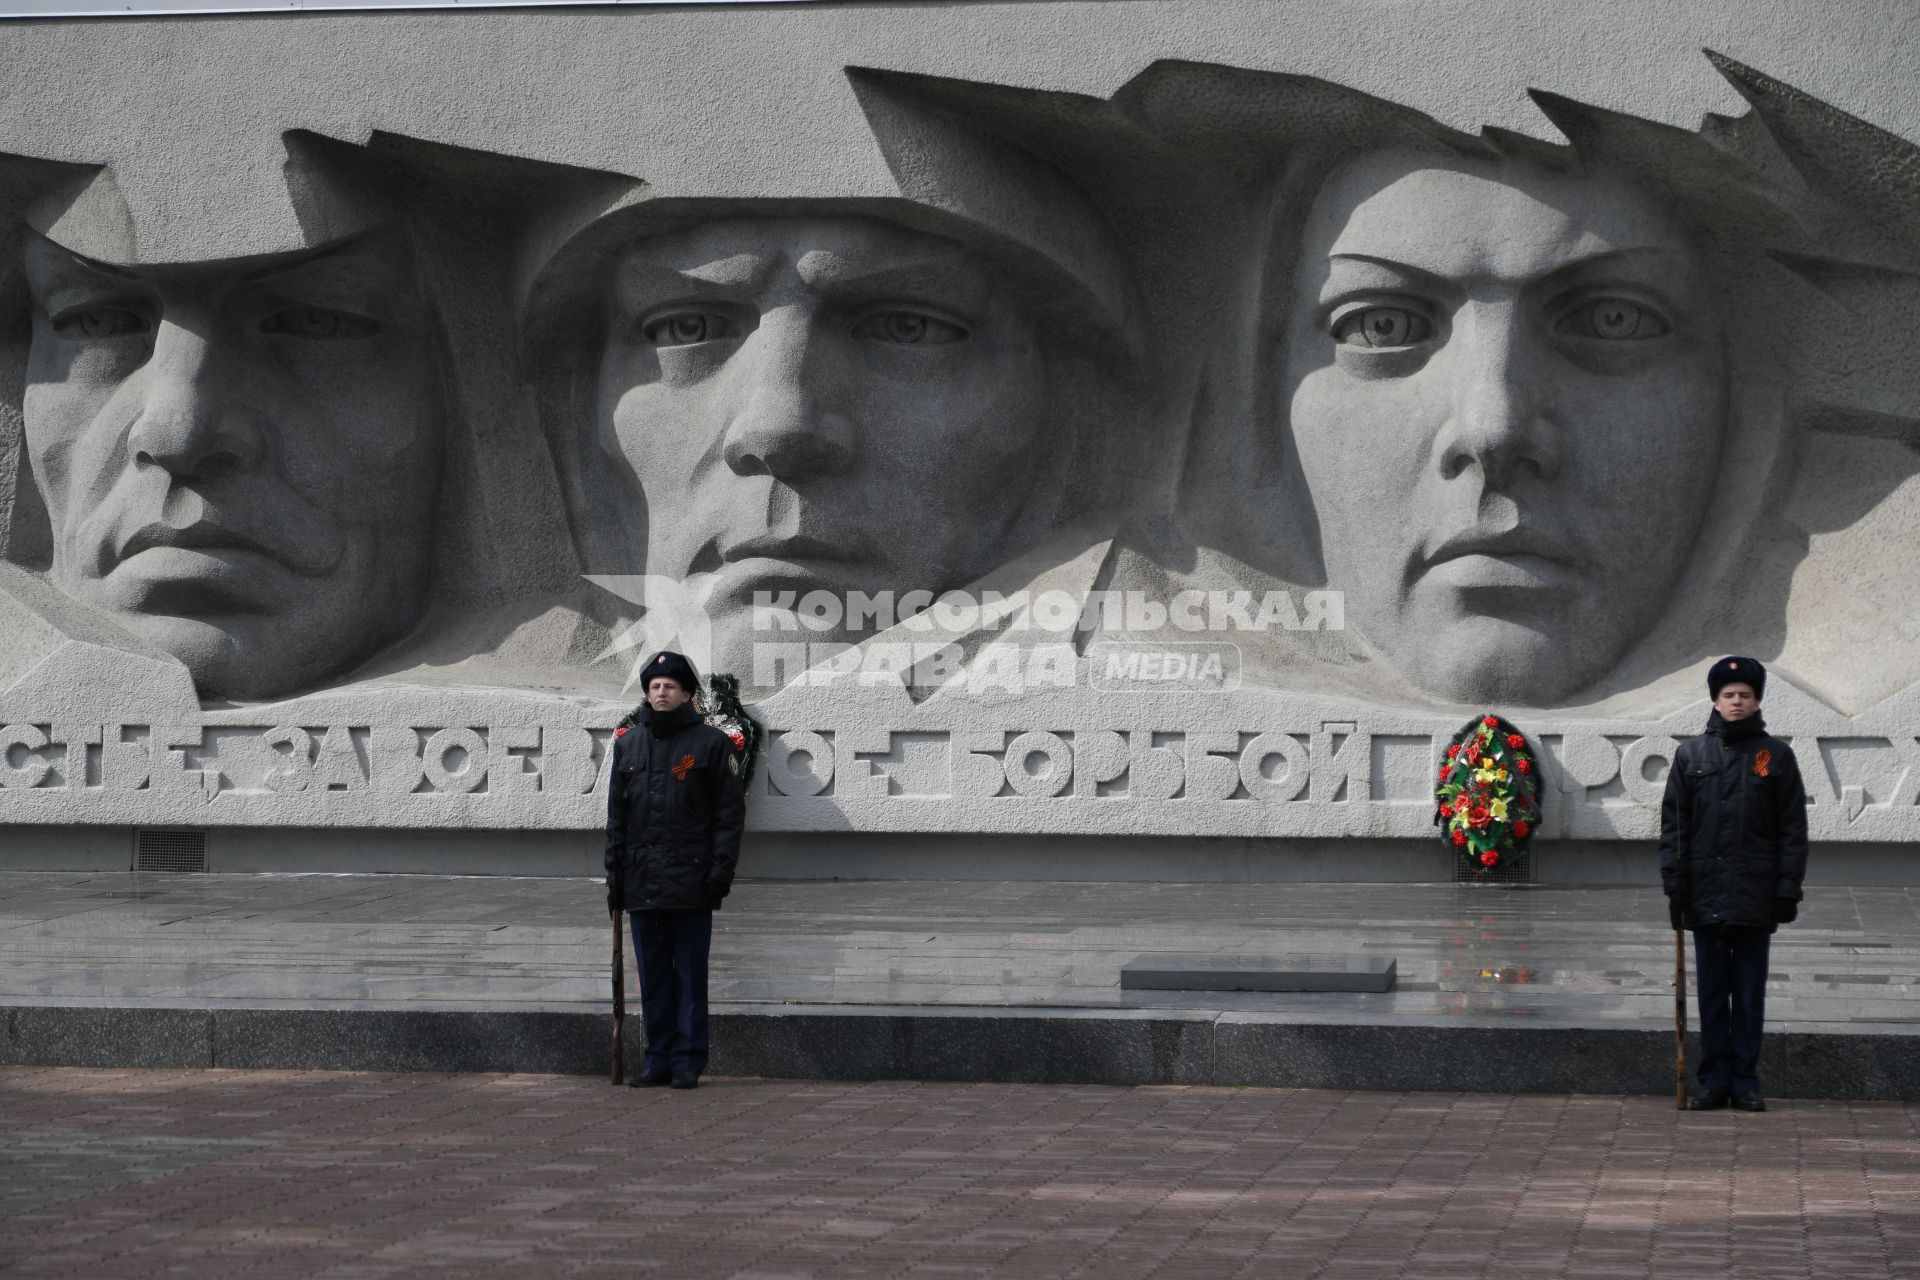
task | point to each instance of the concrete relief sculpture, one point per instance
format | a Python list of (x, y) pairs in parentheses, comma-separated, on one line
[(1528, 364), (1394, 416), (280, 467), (869, 403), (1526, 406), (823, 404), (240, 461)]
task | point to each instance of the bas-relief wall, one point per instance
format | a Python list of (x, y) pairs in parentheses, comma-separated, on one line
[(1184, 460)]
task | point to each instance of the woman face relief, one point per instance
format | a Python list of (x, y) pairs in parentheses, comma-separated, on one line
[(1508, 396)]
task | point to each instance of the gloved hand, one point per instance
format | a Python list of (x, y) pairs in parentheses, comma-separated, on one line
[(613, 897), (1677, 912), (716, 893), (1785, 910)]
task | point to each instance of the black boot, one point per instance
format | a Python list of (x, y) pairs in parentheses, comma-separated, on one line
[(1711, 1100)]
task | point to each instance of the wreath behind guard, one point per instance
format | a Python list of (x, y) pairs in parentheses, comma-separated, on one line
[(1489, 793), (718, 703)]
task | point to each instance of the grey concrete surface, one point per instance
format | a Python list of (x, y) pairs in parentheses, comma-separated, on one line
[(952, 856), (1464, 953), (1499, 989)]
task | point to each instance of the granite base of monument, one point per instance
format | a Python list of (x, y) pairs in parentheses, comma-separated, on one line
[(1032, 1046)]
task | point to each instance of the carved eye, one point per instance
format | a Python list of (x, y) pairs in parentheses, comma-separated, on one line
[(685, 328), (1614, 320), (318, 322), (95, 323), (1383, 327), (908, 328)]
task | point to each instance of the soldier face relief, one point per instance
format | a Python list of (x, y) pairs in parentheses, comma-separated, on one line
[(829, 404), (241, 460), (1507, 392)]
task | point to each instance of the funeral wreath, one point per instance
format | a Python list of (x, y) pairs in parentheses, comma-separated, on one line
[(1488, 796)]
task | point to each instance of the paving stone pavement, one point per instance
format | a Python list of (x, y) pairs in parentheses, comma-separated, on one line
[(1467, 954), (355, 1177)]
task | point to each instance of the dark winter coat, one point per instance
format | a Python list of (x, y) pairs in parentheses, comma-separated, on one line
[(675, 808), (1733, 825)]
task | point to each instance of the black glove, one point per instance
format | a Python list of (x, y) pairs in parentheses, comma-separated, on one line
[(1785, 910), (716, 893), (1677, 912), (613, 897)]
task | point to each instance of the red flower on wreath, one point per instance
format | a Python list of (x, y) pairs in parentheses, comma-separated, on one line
[(1459, 837), (1477, 816), (1491, 721), (1515, 741), (1520, 829), (1453, 749), (1473, 753), (1443, 773), (1488, 858), (1523, 764)]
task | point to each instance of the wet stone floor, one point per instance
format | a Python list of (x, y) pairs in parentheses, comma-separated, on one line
[(1549, 955)]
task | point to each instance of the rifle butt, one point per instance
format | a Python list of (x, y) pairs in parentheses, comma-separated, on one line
[(619, 1001), (1679, 1020)]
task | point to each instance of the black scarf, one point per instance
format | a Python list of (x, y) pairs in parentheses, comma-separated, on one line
[(665, 724), (1754, 726)]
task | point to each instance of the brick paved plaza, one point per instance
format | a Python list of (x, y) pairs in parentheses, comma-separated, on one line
[(281, 1174)]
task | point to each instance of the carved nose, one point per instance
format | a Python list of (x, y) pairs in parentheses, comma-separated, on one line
[(787, 425), (1496, 422), (191, 423)]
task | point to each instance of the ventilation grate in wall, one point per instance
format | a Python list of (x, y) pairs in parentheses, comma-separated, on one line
[(170, 851), (1516, 870)]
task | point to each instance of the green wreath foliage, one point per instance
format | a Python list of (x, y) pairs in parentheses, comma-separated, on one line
[(1488, 799)]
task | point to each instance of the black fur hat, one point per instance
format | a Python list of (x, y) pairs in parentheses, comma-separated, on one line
[(674, 666), (1737, 671)]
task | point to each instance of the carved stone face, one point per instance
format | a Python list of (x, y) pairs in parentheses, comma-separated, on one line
[(1508, 396), (241, 460), (831, 404)]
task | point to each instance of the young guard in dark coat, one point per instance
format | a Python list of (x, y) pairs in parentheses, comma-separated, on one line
[(675, 807), (1733, 851)]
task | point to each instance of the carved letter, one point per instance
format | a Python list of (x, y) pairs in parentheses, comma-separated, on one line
[(32, 770), (1028, 781), (293, 769), (473, 760), (1267, 787)]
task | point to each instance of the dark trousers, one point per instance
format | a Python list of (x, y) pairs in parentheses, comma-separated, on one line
[(1730, 973), (670, 950)]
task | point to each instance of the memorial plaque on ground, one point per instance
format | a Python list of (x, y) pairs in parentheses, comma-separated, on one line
[(1203, 971)]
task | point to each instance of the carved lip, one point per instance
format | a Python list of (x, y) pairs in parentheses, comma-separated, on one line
[(206, 535), (798, 547), (1509, 544)]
